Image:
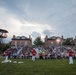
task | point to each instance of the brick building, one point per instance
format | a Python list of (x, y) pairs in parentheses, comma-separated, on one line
[(21, 41), (53, 41)]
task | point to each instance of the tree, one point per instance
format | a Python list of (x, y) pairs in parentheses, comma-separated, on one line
[(38, 41), (67, 42), (4, 47)]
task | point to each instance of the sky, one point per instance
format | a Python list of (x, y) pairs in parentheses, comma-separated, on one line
[(38, 18)]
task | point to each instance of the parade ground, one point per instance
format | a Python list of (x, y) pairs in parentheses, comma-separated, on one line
[(38, 67)]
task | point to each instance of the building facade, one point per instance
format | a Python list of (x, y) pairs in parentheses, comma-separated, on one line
[(21, 41), (53, 41)]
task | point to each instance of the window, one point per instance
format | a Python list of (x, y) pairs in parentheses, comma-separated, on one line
[(23, 37), (15, 43), (18, 37), (25, 43)]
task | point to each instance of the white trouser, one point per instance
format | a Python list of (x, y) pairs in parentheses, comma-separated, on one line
[(70, 60), (33, 58), (6, 58)]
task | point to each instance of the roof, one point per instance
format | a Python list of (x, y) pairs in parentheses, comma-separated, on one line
[(52, 38), (21, 38), (4, 31)]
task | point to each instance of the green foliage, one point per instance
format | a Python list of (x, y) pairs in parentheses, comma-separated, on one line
[(3, 47), (67, 42), (6, 46), (38, 41), (39, 67)]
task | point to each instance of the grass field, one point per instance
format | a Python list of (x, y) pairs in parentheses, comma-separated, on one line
[(39, 67)]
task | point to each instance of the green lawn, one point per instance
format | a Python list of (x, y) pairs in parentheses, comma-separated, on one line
[(39, 67)]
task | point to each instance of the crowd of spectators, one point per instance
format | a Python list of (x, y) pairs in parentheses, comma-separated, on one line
[(52, 52)]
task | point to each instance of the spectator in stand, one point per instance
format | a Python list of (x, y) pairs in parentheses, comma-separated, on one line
[(41, 55), (26, 54), (21, 55), (33, 54), (70, 56), (51, 55)]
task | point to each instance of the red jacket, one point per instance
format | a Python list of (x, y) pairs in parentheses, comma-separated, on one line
[(33, 52), (7, 53), (70, 52)]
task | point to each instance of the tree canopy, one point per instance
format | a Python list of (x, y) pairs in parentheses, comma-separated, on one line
[(38, 41), (67, 42)]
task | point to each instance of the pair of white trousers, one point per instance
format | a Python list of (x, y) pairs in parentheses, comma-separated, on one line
[(70, 60), (33, 58), (6, 59)]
